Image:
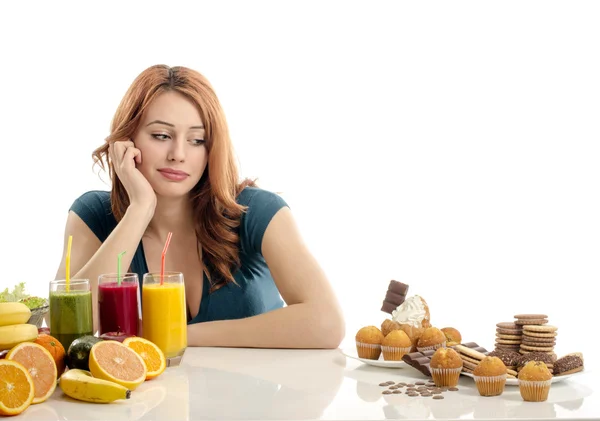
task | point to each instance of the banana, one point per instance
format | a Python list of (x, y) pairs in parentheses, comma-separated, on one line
[(80, 385), (14, 314), (15, 334)]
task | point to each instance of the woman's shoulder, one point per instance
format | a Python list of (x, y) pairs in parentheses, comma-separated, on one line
[(95, 199), (94, 208), (261, 206)]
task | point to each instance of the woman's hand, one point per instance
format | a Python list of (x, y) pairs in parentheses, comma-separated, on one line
[(124, 156)]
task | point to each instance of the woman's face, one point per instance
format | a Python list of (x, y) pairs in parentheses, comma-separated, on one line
[(171, 140)]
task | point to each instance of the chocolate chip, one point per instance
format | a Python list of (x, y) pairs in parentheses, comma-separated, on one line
[(438, 397), (436, 392), (390, 382), (426, 394), (393, 387), (387, 392), (396, 392), (383, 384), (401, 384), (412, 394), (419, 383), (410, 385), (453, 389)]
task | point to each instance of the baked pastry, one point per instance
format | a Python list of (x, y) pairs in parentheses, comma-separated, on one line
[(413, 316), (547, 359), (453, 336), (490, 376), (569, 364), (431, 339), (368, 342), (446, 365), (388, 325), (395, 345), (395, 295), (534, 381)]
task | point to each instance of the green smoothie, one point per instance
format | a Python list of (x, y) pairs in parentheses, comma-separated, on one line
[(70, 315)]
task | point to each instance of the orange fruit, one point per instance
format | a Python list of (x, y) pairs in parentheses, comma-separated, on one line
[(55, 349), (40, 364), (113, 361), (150, 353), (16, 388)]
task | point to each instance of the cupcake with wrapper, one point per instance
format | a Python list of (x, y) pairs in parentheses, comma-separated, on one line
[(395, 345), (431, 339), (368, 342), (534, 381), (445, 367), (490, 376)]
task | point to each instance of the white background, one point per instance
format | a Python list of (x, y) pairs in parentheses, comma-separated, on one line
[(452, 146)]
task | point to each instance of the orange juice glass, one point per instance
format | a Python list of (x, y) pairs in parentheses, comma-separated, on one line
[(164, 320)]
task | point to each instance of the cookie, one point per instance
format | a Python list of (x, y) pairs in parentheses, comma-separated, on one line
[(469, 359), (509, 337), (531, 322), (524, 351), (530, 316), (507, 325), (537, 348), (538, 343), (539, 329), (508, 341), (533, 334), (469, 352), (511, 372), (568, 364)]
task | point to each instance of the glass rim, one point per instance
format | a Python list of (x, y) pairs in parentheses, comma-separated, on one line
[(114, 275), (76, 281), (165, 274)]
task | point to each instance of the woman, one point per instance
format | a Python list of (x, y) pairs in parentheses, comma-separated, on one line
[(172, 165)]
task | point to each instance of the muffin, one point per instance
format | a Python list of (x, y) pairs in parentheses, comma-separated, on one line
[(395, 345), (368, 342), (453, 336), (431, 339), (446, 365), (534, 381), (490, 376), (388, 325)]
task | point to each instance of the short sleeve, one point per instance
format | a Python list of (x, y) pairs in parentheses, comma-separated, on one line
[(93, 208), (262, 206)]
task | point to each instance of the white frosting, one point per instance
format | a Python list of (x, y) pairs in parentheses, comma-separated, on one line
[(411, 311)]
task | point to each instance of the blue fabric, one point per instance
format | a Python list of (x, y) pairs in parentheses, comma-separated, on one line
[(255, 292)]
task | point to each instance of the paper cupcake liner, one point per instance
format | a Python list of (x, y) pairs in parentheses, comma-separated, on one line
[(432, 347), (534, 391), (445, 376), (368, 351), (394, 353), (490, 385)]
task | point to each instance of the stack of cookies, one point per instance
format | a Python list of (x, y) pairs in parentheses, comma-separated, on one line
[(508, 336), (472, 356), (537, 335)]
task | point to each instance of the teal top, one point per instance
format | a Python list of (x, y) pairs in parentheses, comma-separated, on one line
[(255, 292)]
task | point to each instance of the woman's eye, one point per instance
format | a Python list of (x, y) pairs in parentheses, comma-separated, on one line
[(198, 141), (160, 136)]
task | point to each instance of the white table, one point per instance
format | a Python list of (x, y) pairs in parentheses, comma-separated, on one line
[(224, 383)]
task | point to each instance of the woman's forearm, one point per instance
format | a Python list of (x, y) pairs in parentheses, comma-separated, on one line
[(295, 326)]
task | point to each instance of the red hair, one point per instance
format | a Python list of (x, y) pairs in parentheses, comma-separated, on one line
[(216, 212)]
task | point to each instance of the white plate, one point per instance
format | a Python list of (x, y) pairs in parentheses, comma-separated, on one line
[(515, 382), (377, 363)]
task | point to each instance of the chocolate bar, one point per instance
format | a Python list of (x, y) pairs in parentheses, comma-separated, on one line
[(422, 360), (395, 295)]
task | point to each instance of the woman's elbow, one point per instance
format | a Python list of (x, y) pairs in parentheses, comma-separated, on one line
[(333, 329)]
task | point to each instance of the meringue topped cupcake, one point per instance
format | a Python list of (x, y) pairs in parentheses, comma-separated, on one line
[(413, 317)]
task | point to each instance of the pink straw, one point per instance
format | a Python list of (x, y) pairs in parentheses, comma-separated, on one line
[(162, 260)]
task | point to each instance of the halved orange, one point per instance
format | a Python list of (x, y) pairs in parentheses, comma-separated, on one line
[(150, 353), (113, 361), (16, 388), (41, 366)]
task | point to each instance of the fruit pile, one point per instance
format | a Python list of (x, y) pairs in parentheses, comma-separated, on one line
[(97, 370)]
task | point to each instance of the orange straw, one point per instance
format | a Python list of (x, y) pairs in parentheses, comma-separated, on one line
[(162, 260)]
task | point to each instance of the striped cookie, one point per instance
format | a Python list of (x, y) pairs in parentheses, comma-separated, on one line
[(539, 329), (531, 322), (469, 352), (538, 339), (530, 316), (469, 359), (511, 372), (508, 341), (509, 337), (469, 365), (507, 325), (467, 370), (537, 348), (541, 335), (542, 343), (524, 351)]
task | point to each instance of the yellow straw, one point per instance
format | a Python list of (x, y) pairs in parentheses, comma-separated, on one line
[(67, 278)]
